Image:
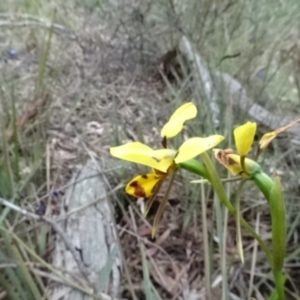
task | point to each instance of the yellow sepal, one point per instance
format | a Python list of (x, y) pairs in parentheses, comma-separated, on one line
[(244, 136), (195, 146), (175, 124), (142, 154)]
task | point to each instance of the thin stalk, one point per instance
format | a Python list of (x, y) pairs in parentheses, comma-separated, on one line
[(239, 241), (162, 206), (224, 256), (15, 136), (222, 241), (43, 61)]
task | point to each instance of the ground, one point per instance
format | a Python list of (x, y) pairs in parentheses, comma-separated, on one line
[(78, 78)]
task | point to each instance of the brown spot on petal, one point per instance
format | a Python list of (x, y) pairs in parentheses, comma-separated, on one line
[(145, 176), (138, 190), (219, 155), (230, 161)]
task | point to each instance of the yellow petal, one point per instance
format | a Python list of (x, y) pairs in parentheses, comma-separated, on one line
[(164, 158), (195, 146), (138, 153), (244, 136), (143, 185), (175, 124), (268, 137), (165, 166), (164, 153)]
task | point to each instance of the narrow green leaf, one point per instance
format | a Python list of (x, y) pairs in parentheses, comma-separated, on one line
[(15, 159)]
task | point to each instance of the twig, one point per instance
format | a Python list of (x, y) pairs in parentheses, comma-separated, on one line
[(32, 23)]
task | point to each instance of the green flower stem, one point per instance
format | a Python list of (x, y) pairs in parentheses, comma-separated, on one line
[(263, 182), (194, 166), (279, 282), (243, 163), (272, 191), (277, 208), (220, 191)]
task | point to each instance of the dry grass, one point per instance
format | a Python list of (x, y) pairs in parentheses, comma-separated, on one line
[(99, 65)]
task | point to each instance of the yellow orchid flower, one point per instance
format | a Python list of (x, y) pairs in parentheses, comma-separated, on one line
[(164, 161), (244, 137), (232, 162)]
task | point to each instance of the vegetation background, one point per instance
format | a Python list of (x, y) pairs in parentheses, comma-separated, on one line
[(80, 76)]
